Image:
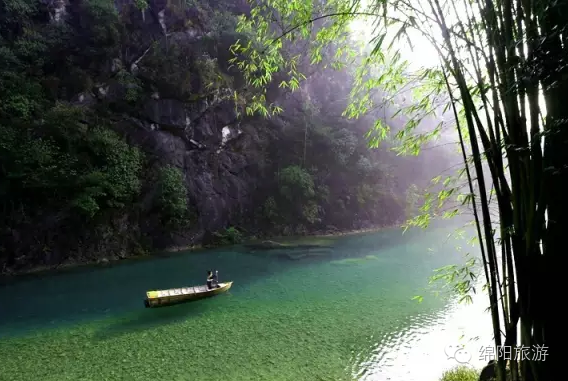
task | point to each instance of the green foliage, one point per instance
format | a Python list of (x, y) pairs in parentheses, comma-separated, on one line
[(209, 72), (297, 190), (296, 184), (222, 22), (214, 17), (460, 278), (460, 373), (170, 68), (141, 4), (366, 194), (172, 197), (114, 181), (61, 164), (14, 15), (231, 236), (270, 208), (103, 35), (310, 211), (343, 145), (131, 83), (173, 67), (295, 201), (87, 169), (263, 55)]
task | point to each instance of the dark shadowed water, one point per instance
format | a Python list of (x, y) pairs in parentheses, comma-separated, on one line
[(344, 315)]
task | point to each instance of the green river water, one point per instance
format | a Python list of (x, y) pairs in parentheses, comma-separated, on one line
[(347, 315)]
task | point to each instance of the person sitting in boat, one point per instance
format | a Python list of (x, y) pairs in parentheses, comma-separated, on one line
[(216, 279), (209, 279)]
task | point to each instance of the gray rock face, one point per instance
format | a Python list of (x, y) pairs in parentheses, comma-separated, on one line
[(220, 182), (167, 112), (197, 136)]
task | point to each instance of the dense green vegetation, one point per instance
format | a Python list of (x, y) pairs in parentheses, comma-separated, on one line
[(64, 171), (172, 198)]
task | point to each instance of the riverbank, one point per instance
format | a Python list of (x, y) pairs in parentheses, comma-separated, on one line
[(113, 259)]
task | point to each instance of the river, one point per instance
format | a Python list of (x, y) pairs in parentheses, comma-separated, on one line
[(347, 315)]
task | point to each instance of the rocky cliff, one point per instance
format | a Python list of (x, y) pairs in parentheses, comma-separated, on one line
[(80, 78)]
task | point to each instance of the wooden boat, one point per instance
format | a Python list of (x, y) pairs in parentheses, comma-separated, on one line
[(183, 294)]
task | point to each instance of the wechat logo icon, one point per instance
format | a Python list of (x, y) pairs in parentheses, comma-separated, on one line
[(457, 352)]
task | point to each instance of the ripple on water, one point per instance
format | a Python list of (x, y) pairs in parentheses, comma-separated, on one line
[(416, 352)]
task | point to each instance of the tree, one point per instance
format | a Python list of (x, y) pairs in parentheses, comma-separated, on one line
[(502, 70), (63, 166)]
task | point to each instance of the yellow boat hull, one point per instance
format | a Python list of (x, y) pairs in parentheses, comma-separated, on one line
[(184, 294)]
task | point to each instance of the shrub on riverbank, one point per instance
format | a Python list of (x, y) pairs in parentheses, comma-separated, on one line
[(460, 373)]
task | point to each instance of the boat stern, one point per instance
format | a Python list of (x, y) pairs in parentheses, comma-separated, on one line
[(150, 295)]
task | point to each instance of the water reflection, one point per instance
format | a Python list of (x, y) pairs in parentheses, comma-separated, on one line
[(426, 347)]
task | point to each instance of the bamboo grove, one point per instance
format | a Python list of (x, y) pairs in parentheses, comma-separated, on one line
[(510, 47), (502, 74)]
